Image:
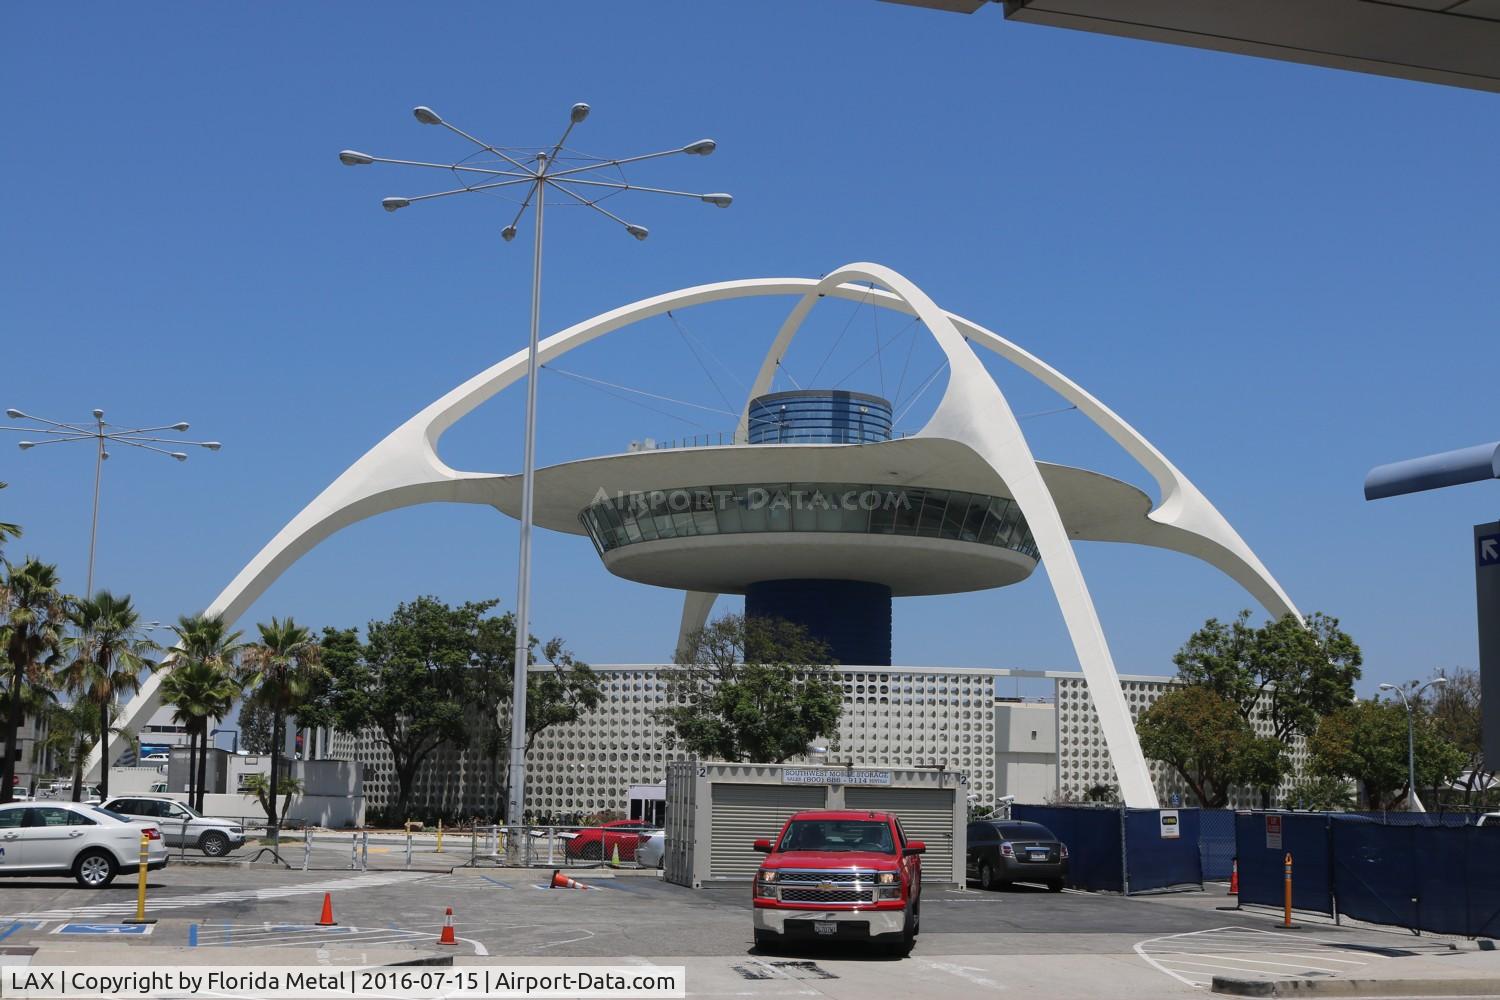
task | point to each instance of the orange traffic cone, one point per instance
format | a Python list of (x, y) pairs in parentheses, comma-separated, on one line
[(326, 920), (561, 881), (1234, 877), (447, 936)]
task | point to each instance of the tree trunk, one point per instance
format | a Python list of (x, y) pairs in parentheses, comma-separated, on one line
[(202, 762), (79, 752), (12, 735), (277, 739), (192, 752), (403, 790), (104, 751)]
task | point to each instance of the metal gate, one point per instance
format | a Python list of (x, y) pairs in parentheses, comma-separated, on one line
[(744, 813), (926, 814)]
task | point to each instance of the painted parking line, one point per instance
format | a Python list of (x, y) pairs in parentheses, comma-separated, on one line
[(1195, 957), (124, 908), (503, 885), (266, 934)]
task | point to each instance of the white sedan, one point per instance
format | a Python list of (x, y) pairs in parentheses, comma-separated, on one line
[(653, 850), (69, 838)]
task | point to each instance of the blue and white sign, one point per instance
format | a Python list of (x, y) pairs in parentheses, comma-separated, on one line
[(104, 929), (1487, 550)]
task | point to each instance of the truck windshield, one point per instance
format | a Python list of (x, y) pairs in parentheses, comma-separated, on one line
[(838, 835)]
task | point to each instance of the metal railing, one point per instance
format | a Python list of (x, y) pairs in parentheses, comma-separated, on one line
[(531, 846)]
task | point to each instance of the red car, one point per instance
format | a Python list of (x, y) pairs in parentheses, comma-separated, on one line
[(599, 843), (839, 875)]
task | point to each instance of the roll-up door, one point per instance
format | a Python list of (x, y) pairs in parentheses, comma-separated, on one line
[(744, 813), (926, 814)]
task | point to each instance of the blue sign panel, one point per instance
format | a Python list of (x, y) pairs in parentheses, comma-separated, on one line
[(1487, 550), (104, 929)]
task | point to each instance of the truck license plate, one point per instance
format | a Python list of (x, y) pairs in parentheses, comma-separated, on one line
[(825, 927)]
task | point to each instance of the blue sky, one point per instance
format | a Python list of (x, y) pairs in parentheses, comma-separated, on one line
[(1282, 275)]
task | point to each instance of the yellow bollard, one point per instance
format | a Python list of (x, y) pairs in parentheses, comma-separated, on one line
[(140, 890), (440, 835), (1287, 912)]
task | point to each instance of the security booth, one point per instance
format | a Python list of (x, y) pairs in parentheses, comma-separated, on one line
[(716, 811)]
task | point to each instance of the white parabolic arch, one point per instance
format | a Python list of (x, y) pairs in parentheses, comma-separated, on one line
[(404, 470)]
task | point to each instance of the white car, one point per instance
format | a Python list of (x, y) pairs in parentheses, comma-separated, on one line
[(155, 758), (183, 825), (653, 850), (69, 838)]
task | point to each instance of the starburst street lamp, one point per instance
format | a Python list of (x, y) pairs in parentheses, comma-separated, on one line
[(530, 173), (56, 432)]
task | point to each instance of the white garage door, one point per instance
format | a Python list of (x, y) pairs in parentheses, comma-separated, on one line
[(743, 814), (926, 814)]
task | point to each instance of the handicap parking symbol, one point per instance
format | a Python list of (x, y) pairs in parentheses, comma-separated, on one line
[(104, 929)]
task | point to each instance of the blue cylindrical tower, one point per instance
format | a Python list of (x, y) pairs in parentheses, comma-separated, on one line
[(819, 416)]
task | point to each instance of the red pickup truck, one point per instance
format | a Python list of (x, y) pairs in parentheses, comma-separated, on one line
[(837, 876)]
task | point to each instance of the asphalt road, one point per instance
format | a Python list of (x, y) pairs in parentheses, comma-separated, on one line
[(1094, 945)]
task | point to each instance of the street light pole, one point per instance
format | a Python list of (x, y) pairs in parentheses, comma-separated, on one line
[(56, 432), (510, 170), (1411, 740)]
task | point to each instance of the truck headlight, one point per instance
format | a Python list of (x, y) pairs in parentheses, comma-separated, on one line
[(888, 892), (885, 878), (765, 887)]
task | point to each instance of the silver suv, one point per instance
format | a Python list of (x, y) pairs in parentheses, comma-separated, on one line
[(181, 825)]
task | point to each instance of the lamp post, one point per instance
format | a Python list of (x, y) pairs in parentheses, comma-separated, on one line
[(56, 432), (530, 173), (1411, 743)]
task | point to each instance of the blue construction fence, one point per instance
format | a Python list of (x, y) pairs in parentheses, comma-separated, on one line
[(1420, 871), (1123, 850)]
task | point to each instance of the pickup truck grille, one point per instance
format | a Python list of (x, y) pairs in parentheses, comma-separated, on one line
[(844, 878), (799, 894)]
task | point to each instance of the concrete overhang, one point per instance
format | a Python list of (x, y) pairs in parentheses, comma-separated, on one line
[(1093, 506), (1452, 42)]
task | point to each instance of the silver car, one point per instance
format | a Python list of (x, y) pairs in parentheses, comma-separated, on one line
[(182, 825)]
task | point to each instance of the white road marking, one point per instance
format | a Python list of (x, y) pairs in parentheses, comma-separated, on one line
[(966, 972), (1238, 949), (367, 881)]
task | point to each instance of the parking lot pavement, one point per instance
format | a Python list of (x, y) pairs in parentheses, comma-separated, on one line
[(974, 942)]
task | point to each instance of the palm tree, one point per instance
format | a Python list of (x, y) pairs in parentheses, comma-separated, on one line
[(33, 611), (8, 530), (109, 650), (257, 785), (205, 659), (71, 732), (278, 673), (199, 691)]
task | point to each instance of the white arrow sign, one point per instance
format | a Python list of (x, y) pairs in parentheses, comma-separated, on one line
[(1489, 551)]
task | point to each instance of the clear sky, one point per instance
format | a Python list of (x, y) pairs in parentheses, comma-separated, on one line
[(1282, 275)]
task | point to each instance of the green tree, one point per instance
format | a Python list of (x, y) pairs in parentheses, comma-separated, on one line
[(1366, 742), (1201, 735), (409, 681), (560, 694), (260, 786), (71, 732), (277, 673), (33, 614), (255, 727), (1303, 671), (751, 689), (108, 649), (207, 655), (1454, 708), (1321, 793)]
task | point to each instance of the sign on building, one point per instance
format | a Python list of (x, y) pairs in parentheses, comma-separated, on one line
[(1170, 830), (833, 776), (1487, 596), (1273, 833)]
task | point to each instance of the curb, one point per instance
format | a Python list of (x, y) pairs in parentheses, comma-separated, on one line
[(1231, 986)]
